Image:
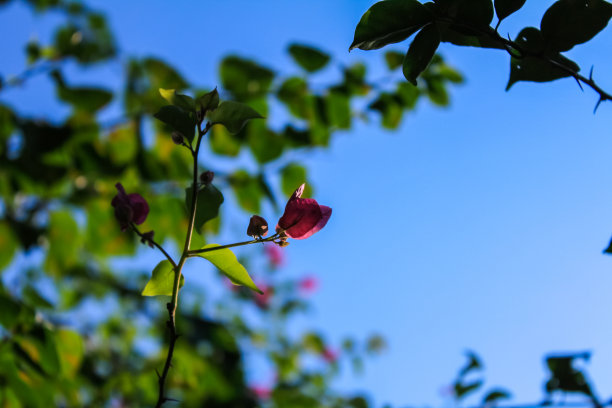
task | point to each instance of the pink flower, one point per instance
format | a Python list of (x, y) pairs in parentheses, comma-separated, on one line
[(275, 255), (262, 300), (308, 284), (261, 392), (129, 208), (330, 355), (303, 216)]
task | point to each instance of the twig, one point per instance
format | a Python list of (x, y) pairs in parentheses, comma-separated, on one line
[(151, 241)]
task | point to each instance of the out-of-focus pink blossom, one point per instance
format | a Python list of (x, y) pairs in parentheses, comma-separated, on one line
[(263, 300), (275, 255), (303, 216), (330, 355), (308, 285), (261, 392), (129, 208)]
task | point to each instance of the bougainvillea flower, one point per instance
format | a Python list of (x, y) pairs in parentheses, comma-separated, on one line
[(329, 355), (303, 216), (129, 208), (308, 284), (275, 255), (258, 227)]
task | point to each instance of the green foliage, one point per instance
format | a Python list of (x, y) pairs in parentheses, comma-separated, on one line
[(227, 263), (207, 207), (388, 22), (177, 119), (420, 53), (504, 8), (309, 58), (162, 280), (233, 115)]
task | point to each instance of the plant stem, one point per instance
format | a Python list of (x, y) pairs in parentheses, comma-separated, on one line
[(155, 244), (161, 398), (196, 252)]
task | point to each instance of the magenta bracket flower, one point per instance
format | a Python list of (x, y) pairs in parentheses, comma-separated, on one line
[(129, 208), (303, 216)]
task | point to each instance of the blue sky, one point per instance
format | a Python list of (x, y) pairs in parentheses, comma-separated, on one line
[(479, 226)]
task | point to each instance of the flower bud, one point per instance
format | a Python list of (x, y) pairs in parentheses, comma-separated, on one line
[(177, 138), (207, 177), (258, 227), (282, 242), (147, 238)]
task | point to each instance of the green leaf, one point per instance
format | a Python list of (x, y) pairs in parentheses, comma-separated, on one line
[(450, 34), (228, 264), (536, 69), (420, 53), (209, 101), (570, 22), (503, 8), (162, 280), (63, 242), (184, 102), (70, 349), (233, 115), (207, 207), (476, 13), (495, 395), (294, 93), (247, 190), (266, 145), (162, 75), (338, 110), (394, 59), (244, 78), (390, 107), (462, 390), (178, 120), (8, 243), (223, 142), (389, 22), (309, 58), (294, 175)]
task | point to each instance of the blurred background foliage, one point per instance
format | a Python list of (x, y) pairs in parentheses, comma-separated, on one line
[(75, 329)]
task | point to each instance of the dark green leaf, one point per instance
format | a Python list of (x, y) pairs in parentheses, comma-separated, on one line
[(450, 34), (338, 110), (462, 390), (389, 22), (309, 58), (233, 115), (473, 364), (266, 145), (495, 395), (504, 8), (248, 191), (209, 201), (8, 243), (538, 69), (63, 242), (420, 53), (228, 264), (294, 94), (178, 120), (162, 75), (571, 22), (209, 101), (82, 98), (162, 280)]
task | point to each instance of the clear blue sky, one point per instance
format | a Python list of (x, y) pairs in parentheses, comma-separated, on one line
[(480, 226)]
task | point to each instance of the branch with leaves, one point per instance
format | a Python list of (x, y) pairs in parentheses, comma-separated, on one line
[(535, 53)]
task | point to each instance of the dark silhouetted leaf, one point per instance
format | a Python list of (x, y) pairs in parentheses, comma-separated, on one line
[(462, 390), (208, 101), (207, 208), (178, 120), (184, 102), (495, 395), (233, 115), (537, 69), (472, 364), (309, 58), (570, 22), (504, 8), (388, 22), (420, 53)]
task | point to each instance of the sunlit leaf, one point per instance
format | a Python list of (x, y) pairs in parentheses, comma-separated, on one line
[(228, 264), (233, 115), (162, 280)]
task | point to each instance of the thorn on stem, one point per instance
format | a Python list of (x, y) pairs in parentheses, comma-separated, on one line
[(597, 105), (579, 84), (591, 73)]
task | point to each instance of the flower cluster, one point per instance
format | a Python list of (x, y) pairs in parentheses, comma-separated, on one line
[(129, 208)]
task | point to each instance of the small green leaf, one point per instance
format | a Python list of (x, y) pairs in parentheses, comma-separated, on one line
[(462, 390), (389, 22), (64, 242), (209, 101), (244, 78), (228, 264), (178, 120), (309, 58), (184, 102), (207, 207), (503, 8), (162, 280), (8, 243), (420, 53), (495, 395), (233, 115), (570, 22)]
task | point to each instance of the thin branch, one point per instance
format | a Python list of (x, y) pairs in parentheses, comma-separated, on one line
[(152, 242), (196, 252)]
